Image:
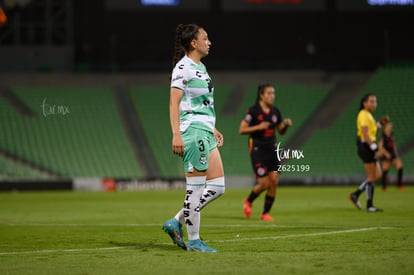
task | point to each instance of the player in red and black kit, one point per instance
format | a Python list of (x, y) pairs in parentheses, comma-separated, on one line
[(389, 156), (260, 123)]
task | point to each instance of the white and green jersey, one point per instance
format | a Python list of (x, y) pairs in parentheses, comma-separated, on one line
[(197, 103)]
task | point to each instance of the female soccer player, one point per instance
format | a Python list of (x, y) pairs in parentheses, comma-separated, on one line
[(367, 147), (389, 156), (260, 122), (194, 136)]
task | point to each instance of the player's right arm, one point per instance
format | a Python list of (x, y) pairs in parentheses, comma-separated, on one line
[(245, 129), (365, 133), (177, 141)]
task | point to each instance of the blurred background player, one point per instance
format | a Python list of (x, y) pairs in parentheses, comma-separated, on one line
[(367, 149), (3, 17), (195, 138), (8, 7), (389, 156), (260, 122)]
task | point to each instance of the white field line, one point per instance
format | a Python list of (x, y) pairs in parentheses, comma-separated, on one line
[(221, 241), (156, 224), (303, 235)]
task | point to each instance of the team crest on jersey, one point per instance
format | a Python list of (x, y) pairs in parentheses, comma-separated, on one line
[(248, 118), (203, 159), (274, 118)]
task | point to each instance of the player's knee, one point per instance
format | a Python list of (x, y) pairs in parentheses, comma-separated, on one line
[(218, 184)]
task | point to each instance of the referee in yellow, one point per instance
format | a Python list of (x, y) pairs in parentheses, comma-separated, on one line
[(367, 148)]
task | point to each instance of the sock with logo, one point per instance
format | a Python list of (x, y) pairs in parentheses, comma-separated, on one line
[(191, 209), (214, 189)]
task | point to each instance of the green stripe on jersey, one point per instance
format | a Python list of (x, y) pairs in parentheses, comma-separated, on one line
[(201, 67), (184, 116), (205, 111), (197, 83), (202, 100)]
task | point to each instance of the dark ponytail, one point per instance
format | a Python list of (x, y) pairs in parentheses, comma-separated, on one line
[(260, 91), (365, 99), (184, 34), (178, 49)]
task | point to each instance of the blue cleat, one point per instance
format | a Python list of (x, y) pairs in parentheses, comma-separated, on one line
[(199, 246), (175, 230)]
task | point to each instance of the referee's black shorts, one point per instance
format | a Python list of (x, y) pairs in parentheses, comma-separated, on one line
[(264, 160), (365, 153)]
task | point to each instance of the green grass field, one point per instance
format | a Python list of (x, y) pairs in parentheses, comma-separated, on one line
[(317, 231)]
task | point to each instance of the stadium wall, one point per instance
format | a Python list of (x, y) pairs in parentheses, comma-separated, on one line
[(112, 185)]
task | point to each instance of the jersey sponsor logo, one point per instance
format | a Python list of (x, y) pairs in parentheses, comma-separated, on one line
[(178, 77)]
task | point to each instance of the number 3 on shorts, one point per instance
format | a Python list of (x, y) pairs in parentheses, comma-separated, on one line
[(201, 145)]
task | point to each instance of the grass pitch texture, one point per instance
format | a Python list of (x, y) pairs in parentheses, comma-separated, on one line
[(317, 230)]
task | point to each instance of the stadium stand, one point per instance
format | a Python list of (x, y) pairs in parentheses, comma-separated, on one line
[(332, 151), (151, 104), (91, 140), (13, 169), (75, 132)]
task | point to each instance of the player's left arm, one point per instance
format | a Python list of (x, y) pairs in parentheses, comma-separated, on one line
[(219, 138), (284, 125)]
